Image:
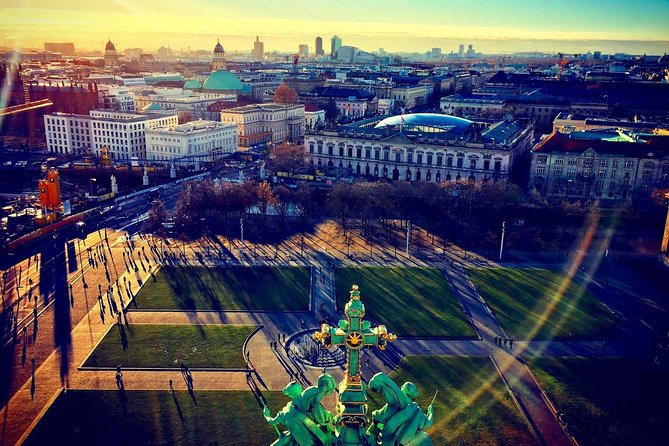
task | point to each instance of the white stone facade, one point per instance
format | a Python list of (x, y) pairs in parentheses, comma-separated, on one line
[(121, 132), (270, 122), (205, 140), (414, 157)]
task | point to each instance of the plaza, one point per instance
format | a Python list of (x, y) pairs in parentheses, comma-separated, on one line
[(252, 312)]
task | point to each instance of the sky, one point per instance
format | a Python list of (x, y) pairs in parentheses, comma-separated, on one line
[(492, 26)]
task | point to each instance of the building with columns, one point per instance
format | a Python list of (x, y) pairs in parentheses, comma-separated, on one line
[(421, 147), (265, 123), (203, 140), (111, 56), (219, 62)]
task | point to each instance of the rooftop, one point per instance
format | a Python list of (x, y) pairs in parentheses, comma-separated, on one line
[(612, 142)]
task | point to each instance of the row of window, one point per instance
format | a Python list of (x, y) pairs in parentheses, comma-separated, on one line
[(421, 158), (628, 164)]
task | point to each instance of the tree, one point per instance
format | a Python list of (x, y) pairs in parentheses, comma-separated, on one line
[(264, 199), (285, 94), (287, 157), (157, 216)]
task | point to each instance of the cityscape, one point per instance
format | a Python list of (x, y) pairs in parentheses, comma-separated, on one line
[(334, 224)]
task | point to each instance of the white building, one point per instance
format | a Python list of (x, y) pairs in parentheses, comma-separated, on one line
[(205, 140), (121, 132), (263, 123), (421, 147), (118, 98), (410, 96)]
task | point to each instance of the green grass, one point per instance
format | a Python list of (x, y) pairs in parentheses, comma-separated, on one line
[(473, 406), (612, 402), (228, 288), (528, 304), (169, 345), (87, 417), (409, 301)]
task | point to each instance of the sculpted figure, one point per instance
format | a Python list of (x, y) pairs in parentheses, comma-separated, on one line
[(401, 421), (308, 422)]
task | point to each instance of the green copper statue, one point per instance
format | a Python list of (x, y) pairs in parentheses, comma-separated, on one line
[(308, 422), (399, 423)]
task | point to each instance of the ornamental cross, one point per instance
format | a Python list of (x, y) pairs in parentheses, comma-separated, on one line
[(354, 334)]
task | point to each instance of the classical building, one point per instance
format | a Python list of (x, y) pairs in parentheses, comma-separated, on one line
[(203, 140), (111, 56), (219, 62), (264, 123), (121, 132), (609, 164), (421, 147), (350, 102), (410, 96)]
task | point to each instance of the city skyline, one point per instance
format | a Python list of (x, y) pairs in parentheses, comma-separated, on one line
[(395, 25)]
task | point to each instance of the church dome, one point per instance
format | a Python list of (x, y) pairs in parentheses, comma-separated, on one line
[(110, 46), (222, 80), (192, 84), (218, 48)]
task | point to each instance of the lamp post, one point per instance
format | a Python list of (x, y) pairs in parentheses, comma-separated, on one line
[(241, 230), (408, 237), (501, 243)]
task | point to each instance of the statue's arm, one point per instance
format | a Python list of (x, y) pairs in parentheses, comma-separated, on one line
[(272, 421), (430, 416)]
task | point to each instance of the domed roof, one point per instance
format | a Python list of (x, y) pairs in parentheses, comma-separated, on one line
[(434, 120), (110, 46), (222, 80), (151, 107), (192, 84), (218, 48)]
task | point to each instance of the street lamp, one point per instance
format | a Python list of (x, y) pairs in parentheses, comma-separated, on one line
[(501, 243), (241, 230), (408, 236)]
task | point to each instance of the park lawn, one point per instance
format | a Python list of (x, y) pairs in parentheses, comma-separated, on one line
[(528, 305), (473, 406), (150, 345), (222, 418), (415, 302), (612, 402), (258, 288)]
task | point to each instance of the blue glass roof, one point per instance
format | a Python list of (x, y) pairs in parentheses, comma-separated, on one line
[(435, 120)]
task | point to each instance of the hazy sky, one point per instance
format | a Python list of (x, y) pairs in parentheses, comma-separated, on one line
[(492, 26)]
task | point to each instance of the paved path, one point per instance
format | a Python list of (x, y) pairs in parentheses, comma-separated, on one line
[(273, 367)]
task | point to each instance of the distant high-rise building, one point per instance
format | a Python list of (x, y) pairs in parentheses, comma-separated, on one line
[(303, 50), (66, 48), (218, 62), (319, 46), (436, 53), (111, 56), (335, 44), (461, 51), (258, 49), (470, 51), (597, 55)]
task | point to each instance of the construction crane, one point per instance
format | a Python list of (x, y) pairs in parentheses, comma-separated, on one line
[(26, 106)]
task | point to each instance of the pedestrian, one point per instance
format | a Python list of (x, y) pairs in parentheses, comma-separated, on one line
[(495, 340), (32, 382), (510, 344), (505, 341), (171, 385), (367, 361)]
